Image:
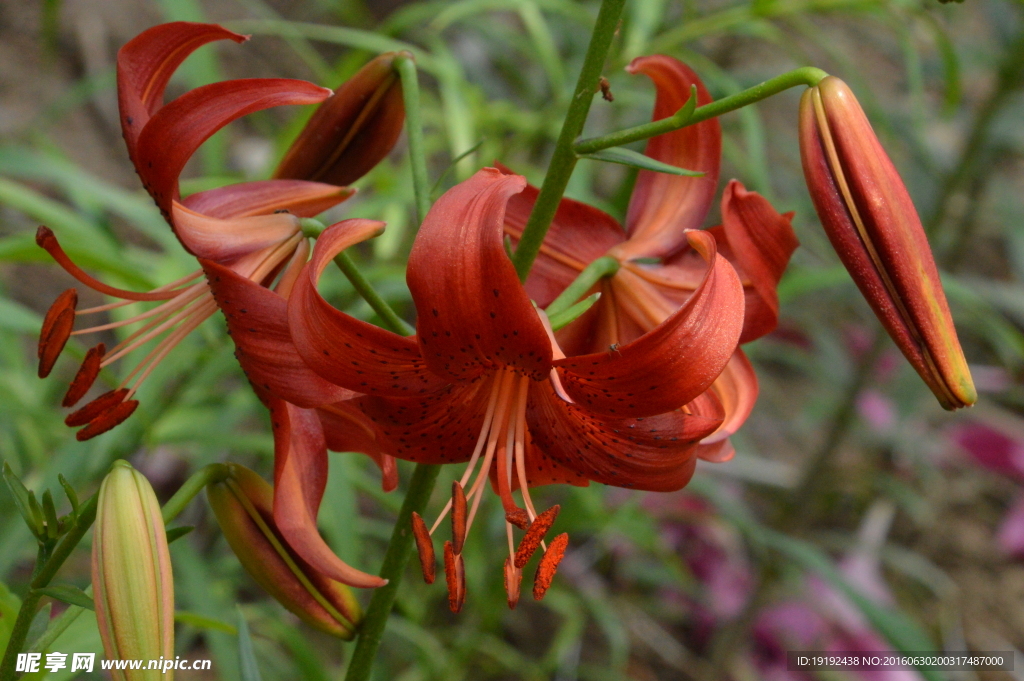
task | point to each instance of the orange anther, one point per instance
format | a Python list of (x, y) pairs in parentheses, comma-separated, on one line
[(513, 579), (518, 517), (455, 575), (107, 420), (86, 375), (549, 565), (535, 535), (93, 410), (424, 546), (458, 517), (57, 326)]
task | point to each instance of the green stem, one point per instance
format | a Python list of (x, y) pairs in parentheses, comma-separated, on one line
[(313, 228), (414, 130), (371, 630), (598, 269), (563, 160), (215, 472), (807, 75), (86, 516)]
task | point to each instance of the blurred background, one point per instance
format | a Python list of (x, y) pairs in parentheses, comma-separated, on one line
[(857, 515)]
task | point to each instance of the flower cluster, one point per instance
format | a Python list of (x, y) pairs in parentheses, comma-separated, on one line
[(631, 394)]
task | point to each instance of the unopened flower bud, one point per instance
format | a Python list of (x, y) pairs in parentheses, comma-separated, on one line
[(243, 505), (871, 221), (131, 574), (351, 131)]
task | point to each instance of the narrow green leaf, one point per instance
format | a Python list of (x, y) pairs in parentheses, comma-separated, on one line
[(246, 653), (567, 316), (38, 626), (9, 606), (634, 159), (22, 501), (71, 595), (69, 491), (194, 619), (16, 317), (50, 515), (177, 533)]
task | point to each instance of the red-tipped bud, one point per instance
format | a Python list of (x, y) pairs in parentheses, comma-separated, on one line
[(351, 131), (424, 547), (549, 565), (86, 375), (871, 222), (243, 504), (57, 325)]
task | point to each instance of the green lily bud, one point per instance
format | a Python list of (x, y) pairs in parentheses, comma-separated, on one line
[(243, 504), (133, 588), (871, 221), (352, 130)]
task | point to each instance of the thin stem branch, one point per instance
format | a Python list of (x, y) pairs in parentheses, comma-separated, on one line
[(371, 630), (215, 472), (807, 75), (563, 160), (414, 130), (597, 270)]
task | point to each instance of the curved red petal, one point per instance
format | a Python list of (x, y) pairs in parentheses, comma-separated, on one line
[(344, 350), (439, 427), (146, 63), (663, 206), (177, 129), (655, 453), (736, 388), (302, 199), (258, 323), (347, 429), (676, 361), (760, 242), (224, 240), (351, 131), (300, 476), (473, 312), (579, 234)]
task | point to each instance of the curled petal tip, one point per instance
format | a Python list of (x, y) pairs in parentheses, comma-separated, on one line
[(873, 225)]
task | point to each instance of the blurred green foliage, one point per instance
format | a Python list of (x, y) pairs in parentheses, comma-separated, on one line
[(942, 85)]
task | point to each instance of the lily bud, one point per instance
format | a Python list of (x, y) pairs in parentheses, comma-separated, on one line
[(131, 574), (243, 504), (871, 221), (352, 130)]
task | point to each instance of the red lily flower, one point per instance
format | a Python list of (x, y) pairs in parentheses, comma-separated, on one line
[(483, 380), (252, 228), (663, 211)]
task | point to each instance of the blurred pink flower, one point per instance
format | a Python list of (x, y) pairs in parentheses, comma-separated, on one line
[(1010, 535), (877, 410), (990, 447)]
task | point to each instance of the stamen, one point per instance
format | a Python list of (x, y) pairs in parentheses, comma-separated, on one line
[(52, 343), (455, 575), (107, 421), (85, 377), (424, 546), (513, 580), (167, 344), (549, 565), (520, 454), (150, 330), (165, 287), (66, 300), (46, 240), (531, 540), (518, 517), (94, 409), (458, 516), (161, 310)]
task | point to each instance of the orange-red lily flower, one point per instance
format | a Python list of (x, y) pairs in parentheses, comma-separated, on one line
[(484, 381), (252, 228), (663, 211), (871, 222)]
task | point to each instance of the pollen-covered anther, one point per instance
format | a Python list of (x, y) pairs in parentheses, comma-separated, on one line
[(424, 547), (518, 517), (92, 410), (458, 516), (535, 535), (107, 420), (86, 375), (549, 565), (455, 575), (57, 326), (513, 580)]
